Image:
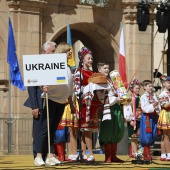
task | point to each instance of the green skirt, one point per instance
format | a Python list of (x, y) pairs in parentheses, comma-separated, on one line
[(112, 131)]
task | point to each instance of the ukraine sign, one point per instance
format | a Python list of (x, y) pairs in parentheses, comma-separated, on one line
[(45, 69)]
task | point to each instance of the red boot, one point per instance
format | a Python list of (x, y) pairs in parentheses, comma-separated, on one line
[(146, 153), (114, 157), (61, 151), (108, 148)]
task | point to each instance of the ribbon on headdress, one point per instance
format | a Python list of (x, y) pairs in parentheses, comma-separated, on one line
[(134, 109), (165, 78), (83, 52)]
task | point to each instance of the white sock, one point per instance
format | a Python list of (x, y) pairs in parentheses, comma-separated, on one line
[(163, 155)]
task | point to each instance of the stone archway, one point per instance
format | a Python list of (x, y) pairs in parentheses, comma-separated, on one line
[(99, 40)]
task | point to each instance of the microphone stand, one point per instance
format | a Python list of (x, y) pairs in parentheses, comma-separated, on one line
[(80, 156)]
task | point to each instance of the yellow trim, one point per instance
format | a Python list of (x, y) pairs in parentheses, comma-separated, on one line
[(61, 81)]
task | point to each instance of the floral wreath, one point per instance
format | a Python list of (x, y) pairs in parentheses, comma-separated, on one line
[(165, 78), (133, 84), (83, 52)]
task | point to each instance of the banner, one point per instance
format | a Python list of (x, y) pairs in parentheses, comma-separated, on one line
[(122, 59), (99, 3), (45, 69), (71, 62), (15, 75)]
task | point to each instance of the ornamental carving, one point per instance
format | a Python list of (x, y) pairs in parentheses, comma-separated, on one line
[(26, 5), (99, 3), (130, 11)]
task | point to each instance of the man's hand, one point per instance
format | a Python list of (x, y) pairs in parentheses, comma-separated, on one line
[(45, 88), (35, 113)]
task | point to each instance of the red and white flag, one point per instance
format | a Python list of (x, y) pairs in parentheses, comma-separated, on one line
[(122, 59)]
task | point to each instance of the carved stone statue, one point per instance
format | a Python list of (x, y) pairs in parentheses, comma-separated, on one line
[(100, 3)]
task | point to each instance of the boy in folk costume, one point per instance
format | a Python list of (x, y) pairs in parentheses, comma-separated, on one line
[(111, 130), (148, 123), (164, 117), (133, 122)]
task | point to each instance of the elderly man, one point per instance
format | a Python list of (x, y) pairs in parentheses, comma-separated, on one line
[(35, 101), (57, 96)]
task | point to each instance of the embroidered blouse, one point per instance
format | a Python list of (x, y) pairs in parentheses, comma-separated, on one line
[(147, 101)]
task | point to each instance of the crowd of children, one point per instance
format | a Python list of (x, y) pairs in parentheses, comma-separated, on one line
[(150, 115)]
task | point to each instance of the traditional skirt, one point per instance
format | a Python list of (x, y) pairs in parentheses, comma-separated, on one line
[(164, 120), (148, 138), (93, 123), (69, 119), (112, 131)]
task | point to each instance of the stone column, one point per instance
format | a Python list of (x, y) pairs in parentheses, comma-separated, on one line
[(26, 18), (138, 45), (138, 51)]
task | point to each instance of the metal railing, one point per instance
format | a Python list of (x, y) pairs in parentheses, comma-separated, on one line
[(15, 136)]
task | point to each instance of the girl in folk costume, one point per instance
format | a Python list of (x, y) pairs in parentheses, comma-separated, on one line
[(134, 121), (148, 123), (111, 130), (164, 117), (87, 127), (68, 119)]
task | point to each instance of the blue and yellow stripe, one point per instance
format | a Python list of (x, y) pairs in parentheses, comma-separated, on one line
[(61, 79), (71, 62)]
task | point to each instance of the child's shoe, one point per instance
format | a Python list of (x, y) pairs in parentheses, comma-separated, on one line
[(91, 159)]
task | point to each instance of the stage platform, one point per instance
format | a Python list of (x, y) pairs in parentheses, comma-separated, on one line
[(25, 162)]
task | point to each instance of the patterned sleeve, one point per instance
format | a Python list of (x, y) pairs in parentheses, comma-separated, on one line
[(112, 98), (76, 80), (163, 99), (145, 105)]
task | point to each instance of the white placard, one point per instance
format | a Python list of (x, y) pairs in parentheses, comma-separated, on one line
[(45, 69)]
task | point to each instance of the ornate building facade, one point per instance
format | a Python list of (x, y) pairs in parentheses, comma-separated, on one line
[(37, 21)]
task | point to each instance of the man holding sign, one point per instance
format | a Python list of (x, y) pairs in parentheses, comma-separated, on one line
[(34, 100), (57, 96)]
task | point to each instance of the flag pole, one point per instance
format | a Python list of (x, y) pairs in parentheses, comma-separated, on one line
[(48, 127), (9, 121)]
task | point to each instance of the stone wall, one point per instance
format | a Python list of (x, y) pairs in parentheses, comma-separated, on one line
[(37, 21)]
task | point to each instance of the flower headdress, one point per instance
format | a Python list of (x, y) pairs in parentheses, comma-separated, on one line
[(133, 84), (165, 78), (83, 52)]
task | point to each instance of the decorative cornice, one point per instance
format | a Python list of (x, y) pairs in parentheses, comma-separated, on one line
[(4, 85), (130, 11), (35, 6)]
